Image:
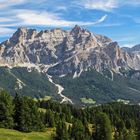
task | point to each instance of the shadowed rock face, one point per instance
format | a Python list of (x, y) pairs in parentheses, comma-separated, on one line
[(134, 49), (60, 52), (134, 52)]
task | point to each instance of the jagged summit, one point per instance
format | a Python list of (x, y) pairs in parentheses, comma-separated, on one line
[(60, 52), (76, 29), (136, 47), (22, 29)]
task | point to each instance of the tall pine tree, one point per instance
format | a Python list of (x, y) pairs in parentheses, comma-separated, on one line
[(102, 128), (6, 110)]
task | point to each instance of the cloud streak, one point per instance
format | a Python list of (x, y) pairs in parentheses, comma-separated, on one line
[(35, 18), (31, 18), (103, 5), (132, 2), (5, 4), (5, 31), (106, 5)]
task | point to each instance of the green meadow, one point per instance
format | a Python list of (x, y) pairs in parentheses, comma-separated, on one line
[(7, 134)]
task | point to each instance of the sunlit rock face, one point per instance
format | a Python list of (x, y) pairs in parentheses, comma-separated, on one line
[(61, 52)]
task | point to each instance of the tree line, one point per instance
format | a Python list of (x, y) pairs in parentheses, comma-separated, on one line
[(113, 121)]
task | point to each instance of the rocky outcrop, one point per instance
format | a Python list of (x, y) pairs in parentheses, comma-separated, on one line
[(60, 52)]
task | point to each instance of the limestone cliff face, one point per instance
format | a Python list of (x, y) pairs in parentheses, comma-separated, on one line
[(134, 53), (60, 52)]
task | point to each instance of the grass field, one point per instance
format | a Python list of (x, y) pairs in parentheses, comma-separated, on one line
[(88, 101), (7, 134)]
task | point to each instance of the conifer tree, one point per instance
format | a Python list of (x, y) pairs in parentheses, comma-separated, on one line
[(6, 110), (102, 128), (27, 117)]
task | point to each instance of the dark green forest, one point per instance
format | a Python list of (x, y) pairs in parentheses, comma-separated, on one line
[(113, 121), (101, 88)]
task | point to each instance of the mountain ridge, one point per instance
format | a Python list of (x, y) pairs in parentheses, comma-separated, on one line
[(68, 66), (61, 52), (135, 48)]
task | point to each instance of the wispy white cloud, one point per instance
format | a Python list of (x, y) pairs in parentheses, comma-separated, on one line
[(29, 17), (6, 4), (104, 5), (131, 2), (36, 18), (61, 8), (129, 45), (5, 31), (4, 19)]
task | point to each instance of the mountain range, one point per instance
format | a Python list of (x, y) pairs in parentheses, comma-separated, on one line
[(75, 66)]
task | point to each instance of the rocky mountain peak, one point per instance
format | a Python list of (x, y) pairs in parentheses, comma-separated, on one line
[(136, 48), (60, 52), (133, 49), (22, 35), (22, 29), (77, 30)]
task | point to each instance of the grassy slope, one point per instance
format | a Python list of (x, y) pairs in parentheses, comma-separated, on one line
[(7, 134)]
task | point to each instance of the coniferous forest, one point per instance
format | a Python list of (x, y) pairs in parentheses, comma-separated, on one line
[(112, 121)]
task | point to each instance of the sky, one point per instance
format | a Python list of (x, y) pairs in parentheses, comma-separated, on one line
[(117, 19)]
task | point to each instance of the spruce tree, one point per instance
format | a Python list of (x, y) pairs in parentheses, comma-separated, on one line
[(62, 132), (78, 130), (6, 110), (27, 117), (50, 118), (102, 128)]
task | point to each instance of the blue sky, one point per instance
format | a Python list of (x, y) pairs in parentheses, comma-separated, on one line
[(117, 19)]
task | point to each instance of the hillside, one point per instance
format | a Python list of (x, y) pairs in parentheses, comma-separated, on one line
[(93, 85), (32, 83)]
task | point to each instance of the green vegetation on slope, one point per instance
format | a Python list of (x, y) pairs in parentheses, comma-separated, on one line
[(94, 85), (8, 134), (90, 85), (33, 83)]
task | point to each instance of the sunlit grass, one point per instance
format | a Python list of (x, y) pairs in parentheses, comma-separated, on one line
[(88, 101), (7, 134)]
